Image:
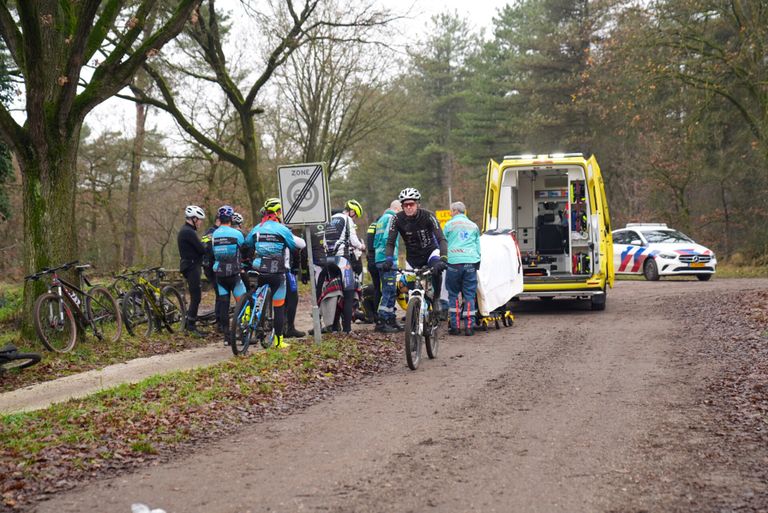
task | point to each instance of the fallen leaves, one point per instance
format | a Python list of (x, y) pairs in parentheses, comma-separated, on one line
[(44, 452)]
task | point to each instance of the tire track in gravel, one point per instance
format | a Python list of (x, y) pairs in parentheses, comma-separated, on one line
[(546, 416)]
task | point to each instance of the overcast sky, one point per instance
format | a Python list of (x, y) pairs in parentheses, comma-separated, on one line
[(119, 115)]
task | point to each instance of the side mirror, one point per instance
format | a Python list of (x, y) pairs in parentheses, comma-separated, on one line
[(636, 242)]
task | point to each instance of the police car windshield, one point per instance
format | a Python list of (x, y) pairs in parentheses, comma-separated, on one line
[(666, 236)]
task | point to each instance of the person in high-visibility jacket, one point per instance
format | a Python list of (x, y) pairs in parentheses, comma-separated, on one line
[(463, 238)]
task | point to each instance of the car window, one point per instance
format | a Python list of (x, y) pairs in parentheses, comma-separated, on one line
[(666, 236), (620, 238)]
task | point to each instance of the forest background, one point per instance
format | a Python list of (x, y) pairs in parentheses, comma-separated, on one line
[(670, 95)]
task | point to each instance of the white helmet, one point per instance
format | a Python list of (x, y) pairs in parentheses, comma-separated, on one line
[(194, 211), (237, 218), (409, 193)]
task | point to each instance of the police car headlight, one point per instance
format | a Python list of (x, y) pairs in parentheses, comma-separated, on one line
[(668, 256)]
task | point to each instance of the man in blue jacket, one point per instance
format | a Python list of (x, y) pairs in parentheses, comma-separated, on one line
[(463, 239), (387, 322)]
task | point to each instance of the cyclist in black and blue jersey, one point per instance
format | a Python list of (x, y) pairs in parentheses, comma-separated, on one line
[(226, 242), (269, 240)]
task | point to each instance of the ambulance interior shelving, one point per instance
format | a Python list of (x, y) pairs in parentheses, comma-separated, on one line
[(549, 207)]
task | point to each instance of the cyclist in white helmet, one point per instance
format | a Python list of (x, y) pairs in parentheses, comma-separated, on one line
[(191, 252), (424, 241)]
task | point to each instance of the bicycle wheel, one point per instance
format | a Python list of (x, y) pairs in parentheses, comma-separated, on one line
[(431, 325), (18, 361), (413, 333), (266, 328), (54, 323), (104, 312), (173, 307), (241, 331), (137, 313)]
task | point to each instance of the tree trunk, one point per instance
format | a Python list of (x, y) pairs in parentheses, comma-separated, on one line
[(49, 182), (253, 180), (255, 188), (131, 217)]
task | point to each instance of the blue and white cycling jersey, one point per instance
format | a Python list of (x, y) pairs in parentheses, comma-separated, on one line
[(269, 240), (226, 242)]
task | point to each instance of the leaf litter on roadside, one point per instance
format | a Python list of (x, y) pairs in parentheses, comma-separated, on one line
[(54, 449)]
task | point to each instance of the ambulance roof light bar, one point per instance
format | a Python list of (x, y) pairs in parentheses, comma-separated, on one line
[(549, 156)]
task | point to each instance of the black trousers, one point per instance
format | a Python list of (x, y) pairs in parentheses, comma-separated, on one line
[(211, 277), (192, 275)]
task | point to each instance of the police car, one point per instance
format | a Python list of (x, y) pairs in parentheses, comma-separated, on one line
[(655, 250)]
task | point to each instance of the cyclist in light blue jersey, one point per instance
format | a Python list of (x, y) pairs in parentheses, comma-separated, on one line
[(226, 242), (269, 240)]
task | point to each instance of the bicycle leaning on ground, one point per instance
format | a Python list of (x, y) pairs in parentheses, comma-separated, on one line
[(253, 319), (421, 321), (65, 308), (147, 307), (11, 358)]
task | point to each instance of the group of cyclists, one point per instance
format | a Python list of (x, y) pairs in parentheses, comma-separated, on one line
[(272, 249)]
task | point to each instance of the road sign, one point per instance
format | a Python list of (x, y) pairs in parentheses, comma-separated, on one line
[(304, 193)]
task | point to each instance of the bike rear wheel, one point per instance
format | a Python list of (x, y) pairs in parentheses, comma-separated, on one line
[(241, 331), (18, 361), (54, 323), (104, 313), (431, 323), (173, 307), (412, 333), (137, 313)]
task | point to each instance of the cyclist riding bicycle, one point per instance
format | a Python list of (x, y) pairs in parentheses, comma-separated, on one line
[(226, 242), (424, 241), (269, 240)]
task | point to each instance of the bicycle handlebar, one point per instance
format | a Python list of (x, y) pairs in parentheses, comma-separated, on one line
[(421, 271), (47, 270)]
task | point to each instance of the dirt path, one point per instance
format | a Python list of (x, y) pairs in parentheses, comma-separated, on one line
[(546, 416)]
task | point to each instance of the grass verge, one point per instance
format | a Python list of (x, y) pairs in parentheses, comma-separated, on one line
[(50, 450)]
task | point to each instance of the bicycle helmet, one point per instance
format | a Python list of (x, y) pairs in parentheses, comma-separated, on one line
[(354, 206), (194, 211), (273, 205), (225, 213), (237, 218), (409, 193)]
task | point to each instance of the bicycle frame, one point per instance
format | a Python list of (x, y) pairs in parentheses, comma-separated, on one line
[(151, 293), (59, 285), (259, 295)]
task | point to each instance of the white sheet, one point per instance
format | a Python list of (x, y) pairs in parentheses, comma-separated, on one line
[(501, 271)]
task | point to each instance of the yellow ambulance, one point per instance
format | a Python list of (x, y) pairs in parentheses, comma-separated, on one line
[(555, 207)]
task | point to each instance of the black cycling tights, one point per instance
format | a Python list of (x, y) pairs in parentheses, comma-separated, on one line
[(192, 275)]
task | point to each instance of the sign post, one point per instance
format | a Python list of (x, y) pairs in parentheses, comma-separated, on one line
[(306, 200)]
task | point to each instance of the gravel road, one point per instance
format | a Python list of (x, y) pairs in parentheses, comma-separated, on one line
[(554, 414)]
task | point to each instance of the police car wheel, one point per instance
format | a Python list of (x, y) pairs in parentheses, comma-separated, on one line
[(651, 270)]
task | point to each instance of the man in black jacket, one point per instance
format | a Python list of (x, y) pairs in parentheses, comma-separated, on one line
[(191, 252)]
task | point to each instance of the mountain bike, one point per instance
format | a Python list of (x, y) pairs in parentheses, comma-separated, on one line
[(65, 308), (253, 319), (11, 358), (147, 307), (421, 321)]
